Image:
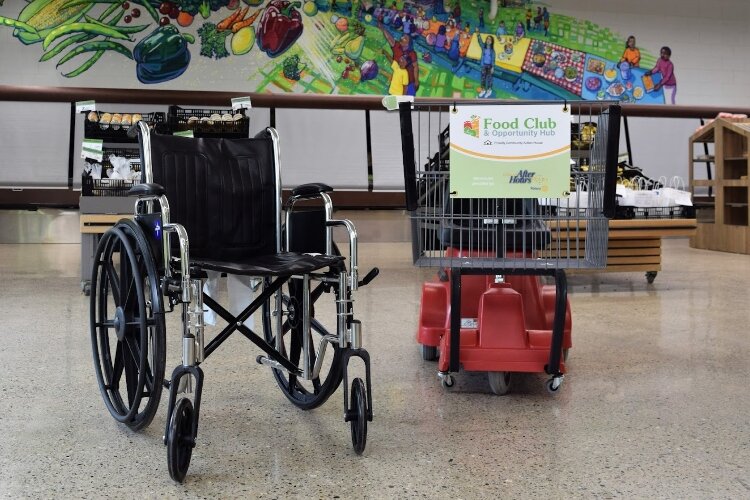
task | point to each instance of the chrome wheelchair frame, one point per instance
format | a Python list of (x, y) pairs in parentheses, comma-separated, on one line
[(149, 271)]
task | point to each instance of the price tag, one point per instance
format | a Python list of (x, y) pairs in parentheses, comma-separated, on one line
[(93, 148), (391, 102), (82, 106), (241, 103), (184, 133)]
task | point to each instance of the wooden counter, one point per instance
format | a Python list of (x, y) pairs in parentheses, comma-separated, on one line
[(635, 244)]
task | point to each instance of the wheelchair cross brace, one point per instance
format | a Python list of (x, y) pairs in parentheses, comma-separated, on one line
[(237, 324)]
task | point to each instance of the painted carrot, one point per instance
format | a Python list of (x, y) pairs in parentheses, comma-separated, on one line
[(235, 16), (247, 22)]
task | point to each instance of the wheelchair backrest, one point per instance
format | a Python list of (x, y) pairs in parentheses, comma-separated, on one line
[(223, 191)]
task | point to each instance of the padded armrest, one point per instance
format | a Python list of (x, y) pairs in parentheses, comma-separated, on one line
[(312, 189), (149, 189)]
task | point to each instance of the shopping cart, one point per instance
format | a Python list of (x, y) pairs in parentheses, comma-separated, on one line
[(488, 310)]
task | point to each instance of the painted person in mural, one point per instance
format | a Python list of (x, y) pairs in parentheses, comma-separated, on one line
[(400, 78), (488, 64), (403, 49), (665, 68), (632, 55)]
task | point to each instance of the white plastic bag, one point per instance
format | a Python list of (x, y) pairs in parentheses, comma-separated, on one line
[(240, 289), (674, 194)]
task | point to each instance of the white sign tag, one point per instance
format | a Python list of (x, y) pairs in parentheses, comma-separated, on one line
[(93, 148), (241, 103), (82, 106), (391, 102)]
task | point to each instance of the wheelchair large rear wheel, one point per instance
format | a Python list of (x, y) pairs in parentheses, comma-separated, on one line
[(127, 325), (306, 394)]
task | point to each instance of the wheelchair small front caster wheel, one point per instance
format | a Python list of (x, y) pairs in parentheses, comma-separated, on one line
[(180, 441), (358, 415), (429, 352), (447, 381), (499, 382), (651, 276), (553, 384)]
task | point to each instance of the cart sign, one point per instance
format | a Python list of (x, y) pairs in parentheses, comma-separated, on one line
[(512, 151)]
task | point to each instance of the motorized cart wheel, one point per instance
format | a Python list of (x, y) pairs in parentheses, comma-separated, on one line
[(305, 394), (553, 385), (429, 352), (180, 439), (447, 381), (358, 417), (499, 382), (127, 325)]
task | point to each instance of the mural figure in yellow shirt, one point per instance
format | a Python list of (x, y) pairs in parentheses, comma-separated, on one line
[(400, 79), (631, 55)]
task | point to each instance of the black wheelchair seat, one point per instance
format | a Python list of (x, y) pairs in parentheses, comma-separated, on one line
[(288, 263)]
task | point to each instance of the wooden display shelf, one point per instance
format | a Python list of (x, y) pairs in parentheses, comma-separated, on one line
[(725, 224), (634, 245)]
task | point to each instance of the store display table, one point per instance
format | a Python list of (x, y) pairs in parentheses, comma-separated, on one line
[(635, 244), (98, 213)]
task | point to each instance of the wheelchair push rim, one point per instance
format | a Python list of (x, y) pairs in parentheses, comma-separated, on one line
[(127, 313), (303, 393)]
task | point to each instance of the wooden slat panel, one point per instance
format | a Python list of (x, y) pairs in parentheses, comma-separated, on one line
[(612, 252), (620, 269), (620, 252), (657, 224), (630, 234), (99, 223), (581, 243), (648, 259), (644, 243)]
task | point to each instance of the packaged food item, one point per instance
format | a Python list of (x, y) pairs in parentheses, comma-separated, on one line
[(105, 120), (648, 83), (92, 117)]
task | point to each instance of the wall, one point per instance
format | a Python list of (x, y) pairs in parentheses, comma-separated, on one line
[(710, 42)]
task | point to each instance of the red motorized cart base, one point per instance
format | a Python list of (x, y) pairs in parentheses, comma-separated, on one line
[(506, 325)]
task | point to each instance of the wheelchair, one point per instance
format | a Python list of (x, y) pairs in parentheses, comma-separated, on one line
[(215, 204)]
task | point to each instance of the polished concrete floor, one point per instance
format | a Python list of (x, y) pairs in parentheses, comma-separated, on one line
[(655, 404)]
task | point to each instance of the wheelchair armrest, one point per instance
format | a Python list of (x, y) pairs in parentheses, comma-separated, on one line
[(311, 190), (147, 189)]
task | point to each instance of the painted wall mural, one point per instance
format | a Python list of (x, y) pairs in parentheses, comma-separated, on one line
[(510, 49)]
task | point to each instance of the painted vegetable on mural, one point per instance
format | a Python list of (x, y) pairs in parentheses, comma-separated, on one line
[(327, 47), (162, 55), (280, 26)]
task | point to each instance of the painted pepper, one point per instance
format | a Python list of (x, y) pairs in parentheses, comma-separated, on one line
[(163, 55), (280, 27)]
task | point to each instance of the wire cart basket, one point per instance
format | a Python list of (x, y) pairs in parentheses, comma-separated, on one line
[(507, 236)]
